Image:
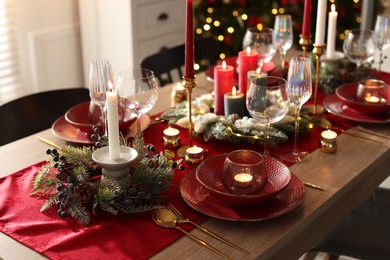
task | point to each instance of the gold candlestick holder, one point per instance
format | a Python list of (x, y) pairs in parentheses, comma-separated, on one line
[(188, 84), (316, 109), (305, 42)]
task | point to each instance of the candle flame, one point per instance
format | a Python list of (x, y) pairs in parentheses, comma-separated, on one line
[(333, 8), (248, 50), (258, 71), (234, 91), (224, 65)]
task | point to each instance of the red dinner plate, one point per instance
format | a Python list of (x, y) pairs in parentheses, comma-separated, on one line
[(200, 199), (68, 132), (232, 61), (333, 104)]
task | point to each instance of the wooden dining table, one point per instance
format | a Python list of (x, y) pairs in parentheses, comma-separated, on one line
[(361, 163)]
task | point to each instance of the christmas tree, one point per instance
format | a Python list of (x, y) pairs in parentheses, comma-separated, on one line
[(227, 20)]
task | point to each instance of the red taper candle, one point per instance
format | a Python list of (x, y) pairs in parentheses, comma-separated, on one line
[(306, 18), (223, 83), (189, 49)]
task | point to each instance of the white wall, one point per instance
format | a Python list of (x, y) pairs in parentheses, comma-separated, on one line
[(49, 44)]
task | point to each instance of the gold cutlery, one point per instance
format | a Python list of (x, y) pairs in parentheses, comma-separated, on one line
[(166, 219), (181, 219), (49, 142), (311, 185)]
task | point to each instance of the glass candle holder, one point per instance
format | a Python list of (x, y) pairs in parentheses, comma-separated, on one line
[(171, 137), (194, 154), (372, 91), (244, 172), (328, 142)]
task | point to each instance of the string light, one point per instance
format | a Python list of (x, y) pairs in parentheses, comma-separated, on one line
[(220, 38), (210, 10), (358, 19), (342, 36), (199, 31), (222, 56), (259, 26), (274, 11), (244, 17), (235, 13), (206, 27), (217, 23), (281, 10), (209, 20), (230, 30)]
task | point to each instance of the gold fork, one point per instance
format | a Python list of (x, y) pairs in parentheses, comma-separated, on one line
[(182, 219)]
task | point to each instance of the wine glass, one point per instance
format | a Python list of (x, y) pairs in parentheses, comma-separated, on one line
[(261, 41), (283, 35), (267, 102), (137, 91), (359, 47), (299, 88), (382, 35), (101, 80)]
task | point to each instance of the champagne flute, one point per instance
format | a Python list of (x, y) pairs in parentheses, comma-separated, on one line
[(359, 47), (262, 42), (382, 35), (101, 80), (137, 91), (283, 35), (299, 88), (267, 102)]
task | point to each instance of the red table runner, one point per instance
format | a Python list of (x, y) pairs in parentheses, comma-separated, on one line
[(108, 236)]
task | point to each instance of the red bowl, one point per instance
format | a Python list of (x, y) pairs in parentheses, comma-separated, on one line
[(85, 115), (209, 175), (347, 93)]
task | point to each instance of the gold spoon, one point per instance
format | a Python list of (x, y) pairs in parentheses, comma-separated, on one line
[(166, 219)]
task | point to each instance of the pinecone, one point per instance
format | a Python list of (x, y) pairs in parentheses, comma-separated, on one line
[(84, 192), (65, 167)]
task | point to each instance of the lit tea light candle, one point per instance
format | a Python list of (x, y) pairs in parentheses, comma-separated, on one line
[(234, 103), (243, 179), (328, 142), (372, 99), (171, 136), (194, 154)]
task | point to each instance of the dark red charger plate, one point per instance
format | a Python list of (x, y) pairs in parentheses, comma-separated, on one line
[(200, 199), (334, 105)]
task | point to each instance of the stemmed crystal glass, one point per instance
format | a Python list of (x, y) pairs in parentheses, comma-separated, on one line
[(137, 91), (262, 42), (299, 88), (283, 35), (382, 35), (101, 80), (359, 47), (267, 102)]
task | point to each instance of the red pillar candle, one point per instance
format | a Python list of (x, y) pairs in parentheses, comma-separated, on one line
[(306, 19), (247, 60), (189, 49), (223, 83)]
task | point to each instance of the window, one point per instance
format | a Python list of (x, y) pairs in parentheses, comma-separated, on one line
[(10, 76)]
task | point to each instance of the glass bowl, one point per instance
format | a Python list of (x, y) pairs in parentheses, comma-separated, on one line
[(348, 94), (209, 175)]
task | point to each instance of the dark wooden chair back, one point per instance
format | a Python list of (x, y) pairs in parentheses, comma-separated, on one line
[(169, 61), (36, 112)]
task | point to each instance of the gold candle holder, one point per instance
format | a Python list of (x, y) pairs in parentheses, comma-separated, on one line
[(194, 154), (305, 42), (315, 109), (328, 142), (188, 84), (171, 137)]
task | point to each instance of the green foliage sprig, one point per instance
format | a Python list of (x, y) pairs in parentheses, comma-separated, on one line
[(73, 183)]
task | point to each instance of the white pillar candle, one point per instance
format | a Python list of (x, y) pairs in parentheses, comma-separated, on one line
[(320, 25), (332, 28), (113, 125), (366, 15)]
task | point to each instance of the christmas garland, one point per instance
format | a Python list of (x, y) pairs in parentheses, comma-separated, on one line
[(233, 128), (73, 183)]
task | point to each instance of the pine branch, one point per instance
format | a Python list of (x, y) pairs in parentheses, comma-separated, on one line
[(79, 212)]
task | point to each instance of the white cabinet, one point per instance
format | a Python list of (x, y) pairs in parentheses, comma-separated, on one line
[(125, 31)]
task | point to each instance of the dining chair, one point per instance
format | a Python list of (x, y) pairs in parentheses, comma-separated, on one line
[(167, 64), (363, 234), (36, 112)]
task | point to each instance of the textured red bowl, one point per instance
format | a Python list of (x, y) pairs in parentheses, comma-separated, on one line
[(85, 115), (347, 93), (209, 175)]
